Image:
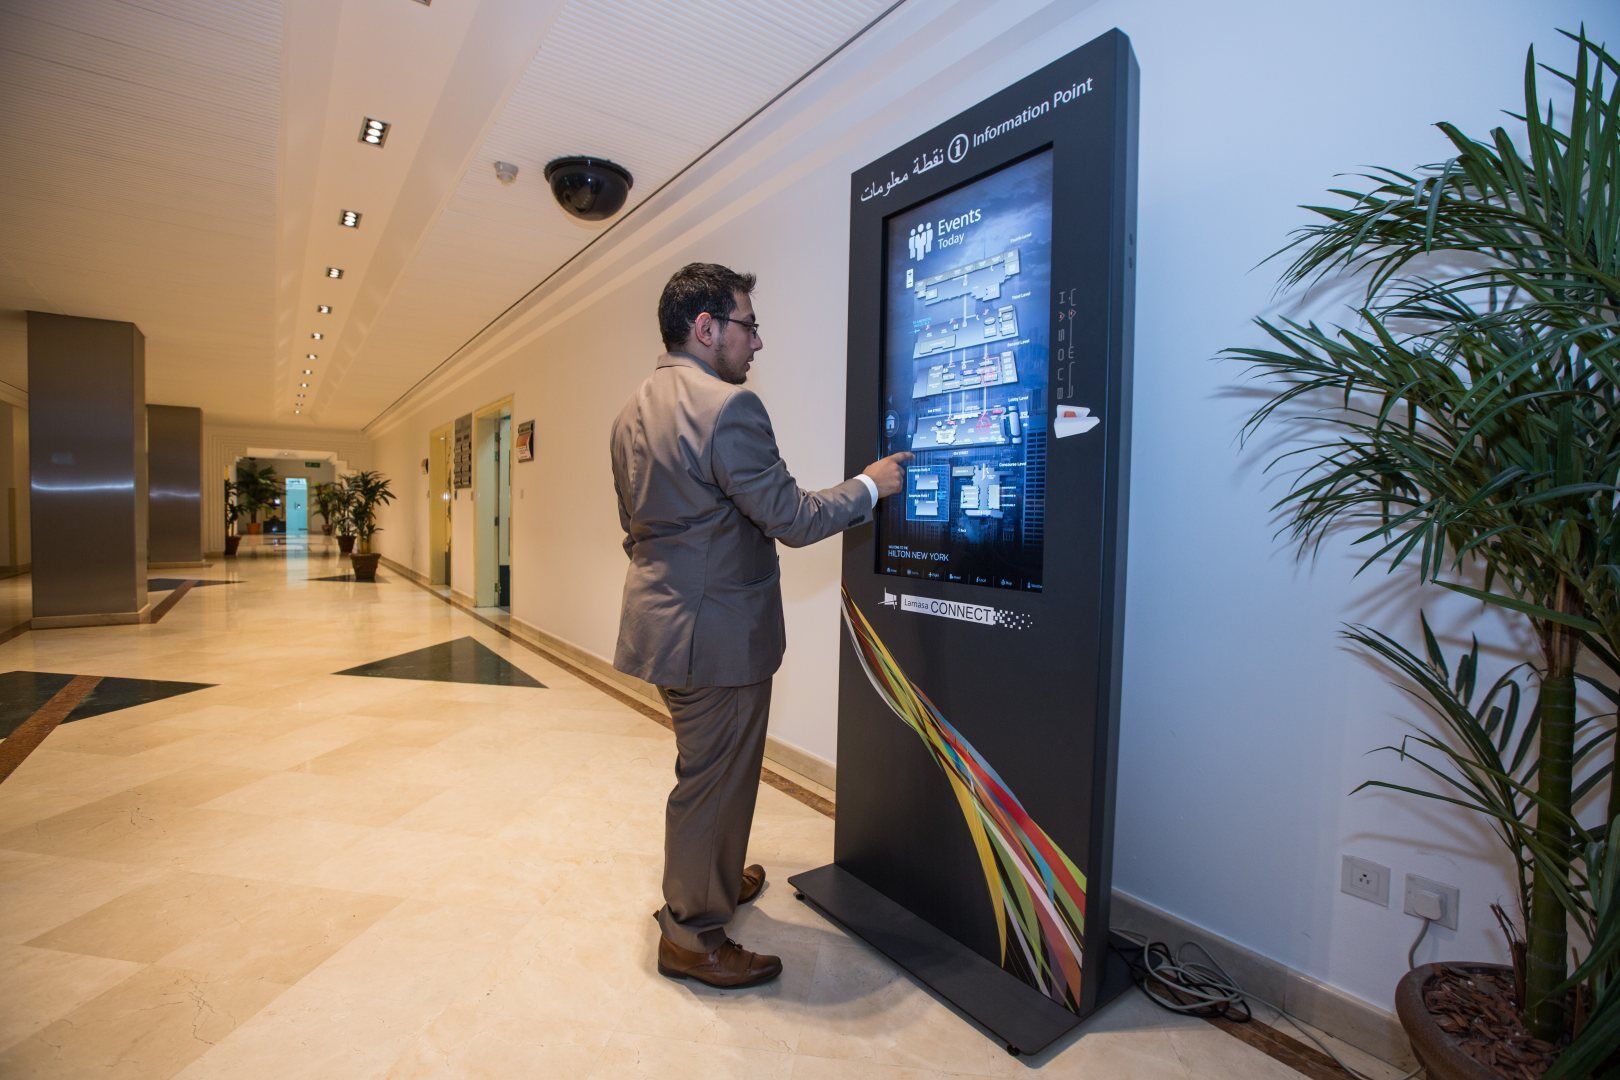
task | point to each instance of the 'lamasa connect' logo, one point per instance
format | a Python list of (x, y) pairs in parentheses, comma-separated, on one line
[(962, 612)]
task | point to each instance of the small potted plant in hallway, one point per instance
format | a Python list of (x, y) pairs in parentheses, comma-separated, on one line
[(257, 488), (233, 513), (328, 501), (343, 501), (369, 490)]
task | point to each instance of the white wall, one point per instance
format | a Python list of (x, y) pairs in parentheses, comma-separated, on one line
[(323, 473), (1244, 722)]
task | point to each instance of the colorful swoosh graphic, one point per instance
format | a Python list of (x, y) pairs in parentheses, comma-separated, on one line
[(1035, 889)]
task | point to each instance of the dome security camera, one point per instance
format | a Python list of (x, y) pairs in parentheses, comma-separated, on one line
[(589, 188)]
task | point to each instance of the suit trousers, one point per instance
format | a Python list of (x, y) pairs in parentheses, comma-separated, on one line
[(720, 746)]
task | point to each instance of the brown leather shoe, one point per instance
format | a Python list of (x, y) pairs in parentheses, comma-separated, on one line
[(753, 881), (728, 967)]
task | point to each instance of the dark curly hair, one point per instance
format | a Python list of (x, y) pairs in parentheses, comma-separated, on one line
[(696, 288)]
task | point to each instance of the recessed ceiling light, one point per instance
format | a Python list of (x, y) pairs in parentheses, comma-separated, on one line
[(374, 132), (334, 271), (317, 335), (311, 356), (298, 412), (303, 384), (350, 219), (309, 371), (323, 309)]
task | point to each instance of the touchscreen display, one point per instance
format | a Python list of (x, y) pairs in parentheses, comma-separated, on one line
[(967, 283)]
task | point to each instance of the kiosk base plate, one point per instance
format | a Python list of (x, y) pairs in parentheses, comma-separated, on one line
[(1015, 1014)]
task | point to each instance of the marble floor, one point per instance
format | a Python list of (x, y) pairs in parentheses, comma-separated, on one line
[(296, 873)]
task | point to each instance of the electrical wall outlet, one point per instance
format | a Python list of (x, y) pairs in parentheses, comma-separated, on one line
[(1366, 879), (1449, 896)]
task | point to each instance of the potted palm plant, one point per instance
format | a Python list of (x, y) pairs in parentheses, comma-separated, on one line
[(1471, 436), (343, 503), (369, 490), (327, 501), (258, 487), (233, 513)]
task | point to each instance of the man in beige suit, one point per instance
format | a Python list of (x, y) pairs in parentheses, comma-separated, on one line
[(703, 498)]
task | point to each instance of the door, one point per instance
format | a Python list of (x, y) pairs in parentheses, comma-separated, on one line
[(503, 510), (297, 506)]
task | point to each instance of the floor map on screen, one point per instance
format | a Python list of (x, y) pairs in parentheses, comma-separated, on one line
[(965, 360)]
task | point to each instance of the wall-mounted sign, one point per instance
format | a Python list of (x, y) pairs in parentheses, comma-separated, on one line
[(525, 441), (463, 452), (312, 464)]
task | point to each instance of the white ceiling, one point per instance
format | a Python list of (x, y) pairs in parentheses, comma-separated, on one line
[(181, 164)]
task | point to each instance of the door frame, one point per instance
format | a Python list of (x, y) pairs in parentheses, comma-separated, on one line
[(439, 495), (486, 502)]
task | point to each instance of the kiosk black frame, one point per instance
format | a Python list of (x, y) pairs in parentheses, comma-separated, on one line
[(1014, 692)]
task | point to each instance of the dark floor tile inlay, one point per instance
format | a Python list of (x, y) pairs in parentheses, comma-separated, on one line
[(164, 584), (22, 693), (462, 660), (349, 577)]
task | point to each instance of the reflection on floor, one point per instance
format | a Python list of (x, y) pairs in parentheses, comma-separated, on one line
[(24, 692), (376, 580), (16, 602), (463, 660), (293, 873)]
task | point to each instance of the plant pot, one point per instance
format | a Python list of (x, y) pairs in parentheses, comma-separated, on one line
[(365, 566), (254, 528), (345, 545), (231, 544), (1435, 1049)]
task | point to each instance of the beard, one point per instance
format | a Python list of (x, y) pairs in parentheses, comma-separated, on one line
[(731, 364)]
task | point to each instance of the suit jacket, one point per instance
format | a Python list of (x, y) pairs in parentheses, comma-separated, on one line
[(703, 498)]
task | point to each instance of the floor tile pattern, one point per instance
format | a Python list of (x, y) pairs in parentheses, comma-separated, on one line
[(463, 660), (294, 874), (24, 692), (164, 584)]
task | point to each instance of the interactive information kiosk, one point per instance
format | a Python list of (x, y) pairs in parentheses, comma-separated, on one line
[(992, 262)]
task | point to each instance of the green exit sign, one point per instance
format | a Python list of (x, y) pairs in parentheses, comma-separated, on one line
[(312, 464)]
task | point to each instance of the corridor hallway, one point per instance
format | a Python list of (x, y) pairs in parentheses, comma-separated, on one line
[(292, 872)]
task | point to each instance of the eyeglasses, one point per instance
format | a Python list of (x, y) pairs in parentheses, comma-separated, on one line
[(751, 327)]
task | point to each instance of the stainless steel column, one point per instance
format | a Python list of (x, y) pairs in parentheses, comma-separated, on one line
[(87, 470), (174, 476)]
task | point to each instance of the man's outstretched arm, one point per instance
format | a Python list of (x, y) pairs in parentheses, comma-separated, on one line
[(749, 468)]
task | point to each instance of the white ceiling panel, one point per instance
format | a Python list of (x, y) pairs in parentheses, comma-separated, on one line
[(180, 164), (650, 86), (138, 181)]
